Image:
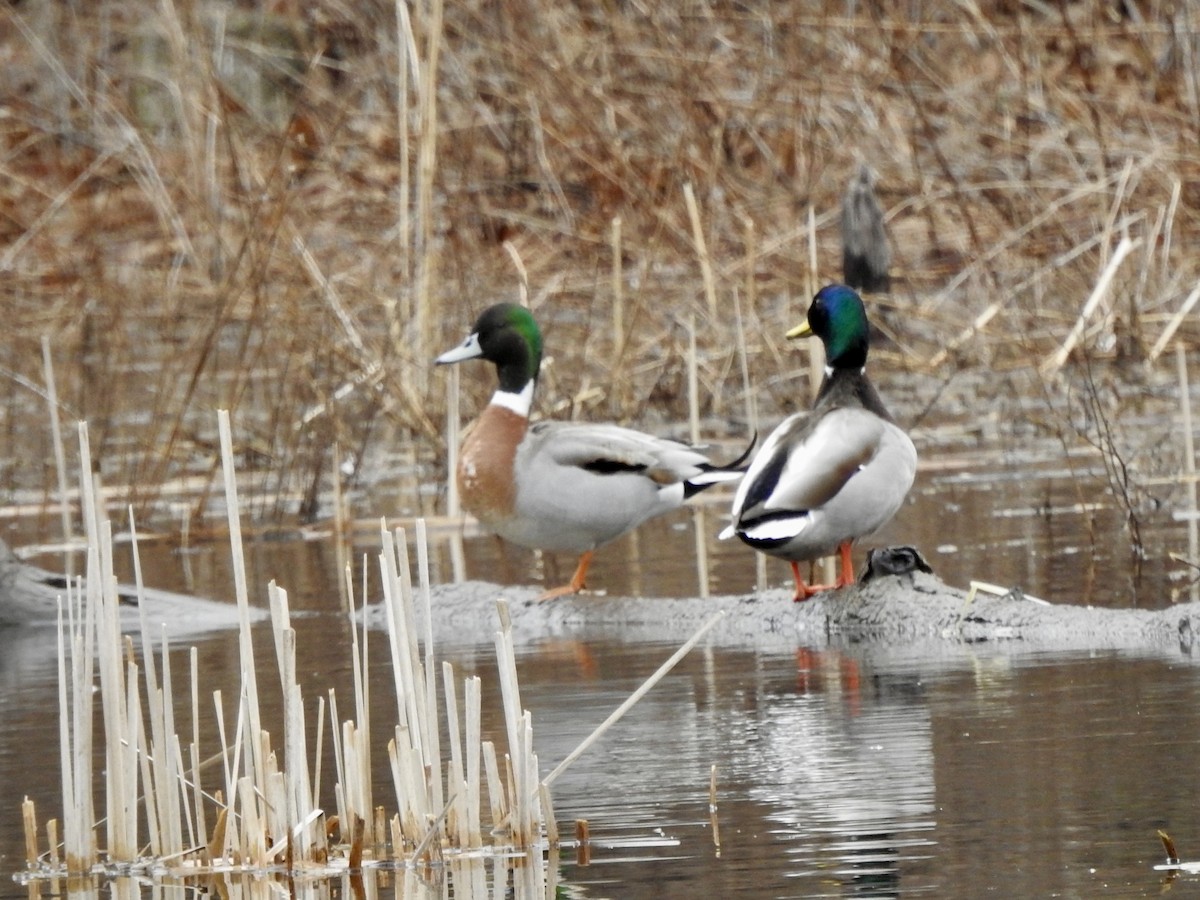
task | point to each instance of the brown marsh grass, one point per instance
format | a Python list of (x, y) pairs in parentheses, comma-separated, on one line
[(288, 209)]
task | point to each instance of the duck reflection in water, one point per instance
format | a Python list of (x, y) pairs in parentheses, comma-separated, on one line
[(854, 785)]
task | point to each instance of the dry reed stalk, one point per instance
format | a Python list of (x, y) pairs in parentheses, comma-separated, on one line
[(341, 802), (120, 781), (976, 327), (522, 272), (1055, 361), (749, 397), (52, 856), (1052, 210), (318, 757), (497, 796), (583, 843), (296, 812), (370, 365), (453, 441), (456, 819), (76, 713), (713, 819), (1145, 271), (254, 760), (426, 312), (547, 807), (816, 363), (750, 262), (363, 800), (530, 816), (400, 306), (1114, 207), (341, 534), (750, 400), (633, 698), (616, 282), (524, 815), (29, 824), (543, 160), (160, 775), (458, 556), (1173, 325), (408, 750), (700, 535), (433, 759), (424, 692), (219, 839), (474, 752), (60, 456), (1169, 225), (693, 383), (816, 351), (1189, 465), (75, 739), (701, 247), (201, 827)]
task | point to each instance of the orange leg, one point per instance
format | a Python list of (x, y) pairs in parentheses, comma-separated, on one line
[(845, 576), (803, 589), (577, 582)]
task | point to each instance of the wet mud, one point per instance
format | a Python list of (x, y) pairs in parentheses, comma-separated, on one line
[(916, 608), (911, 608)]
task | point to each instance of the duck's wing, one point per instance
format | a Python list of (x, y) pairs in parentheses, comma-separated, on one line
[(611, 449), (808, 460)]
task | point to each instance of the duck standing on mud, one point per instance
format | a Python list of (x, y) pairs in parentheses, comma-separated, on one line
[(839, 472), (562, 486)]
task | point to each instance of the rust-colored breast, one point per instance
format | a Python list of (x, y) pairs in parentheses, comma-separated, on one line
[(486, 481)]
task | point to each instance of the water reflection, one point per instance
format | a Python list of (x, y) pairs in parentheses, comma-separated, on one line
[(825, 771), (850, 777), (462, 879), (857, 771), (842, 770)]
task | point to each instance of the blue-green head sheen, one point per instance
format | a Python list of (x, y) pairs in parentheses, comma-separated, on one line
[(509, 337), (837, 316)]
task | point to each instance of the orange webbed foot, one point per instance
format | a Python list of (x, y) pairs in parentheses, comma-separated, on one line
[(577, 583)]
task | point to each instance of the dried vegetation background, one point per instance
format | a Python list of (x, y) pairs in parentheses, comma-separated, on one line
[(287, 209)]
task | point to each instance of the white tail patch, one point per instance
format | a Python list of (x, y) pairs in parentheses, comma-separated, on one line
[(716, 476), (778, 529)]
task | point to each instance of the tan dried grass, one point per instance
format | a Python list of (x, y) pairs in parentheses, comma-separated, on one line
[(210, 208)]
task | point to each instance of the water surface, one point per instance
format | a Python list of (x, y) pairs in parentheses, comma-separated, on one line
[(841, 770)]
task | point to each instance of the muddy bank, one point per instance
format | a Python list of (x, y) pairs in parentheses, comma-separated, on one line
[(913, 609), (912, 612)]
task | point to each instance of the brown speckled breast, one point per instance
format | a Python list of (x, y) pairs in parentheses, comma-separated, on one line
[(486, 481)]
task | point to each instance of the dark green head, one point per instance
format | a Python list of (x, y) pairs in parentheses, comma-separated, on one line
[(507, 335), (837, 316)]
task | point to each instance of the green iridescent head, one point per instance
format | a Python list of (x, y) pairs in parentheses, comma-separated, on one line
[(837, 316), (507, 335)]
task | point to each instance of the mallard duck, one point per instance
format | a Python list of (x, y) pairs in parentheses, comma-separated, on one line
[(562, 486), (839, 472)]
